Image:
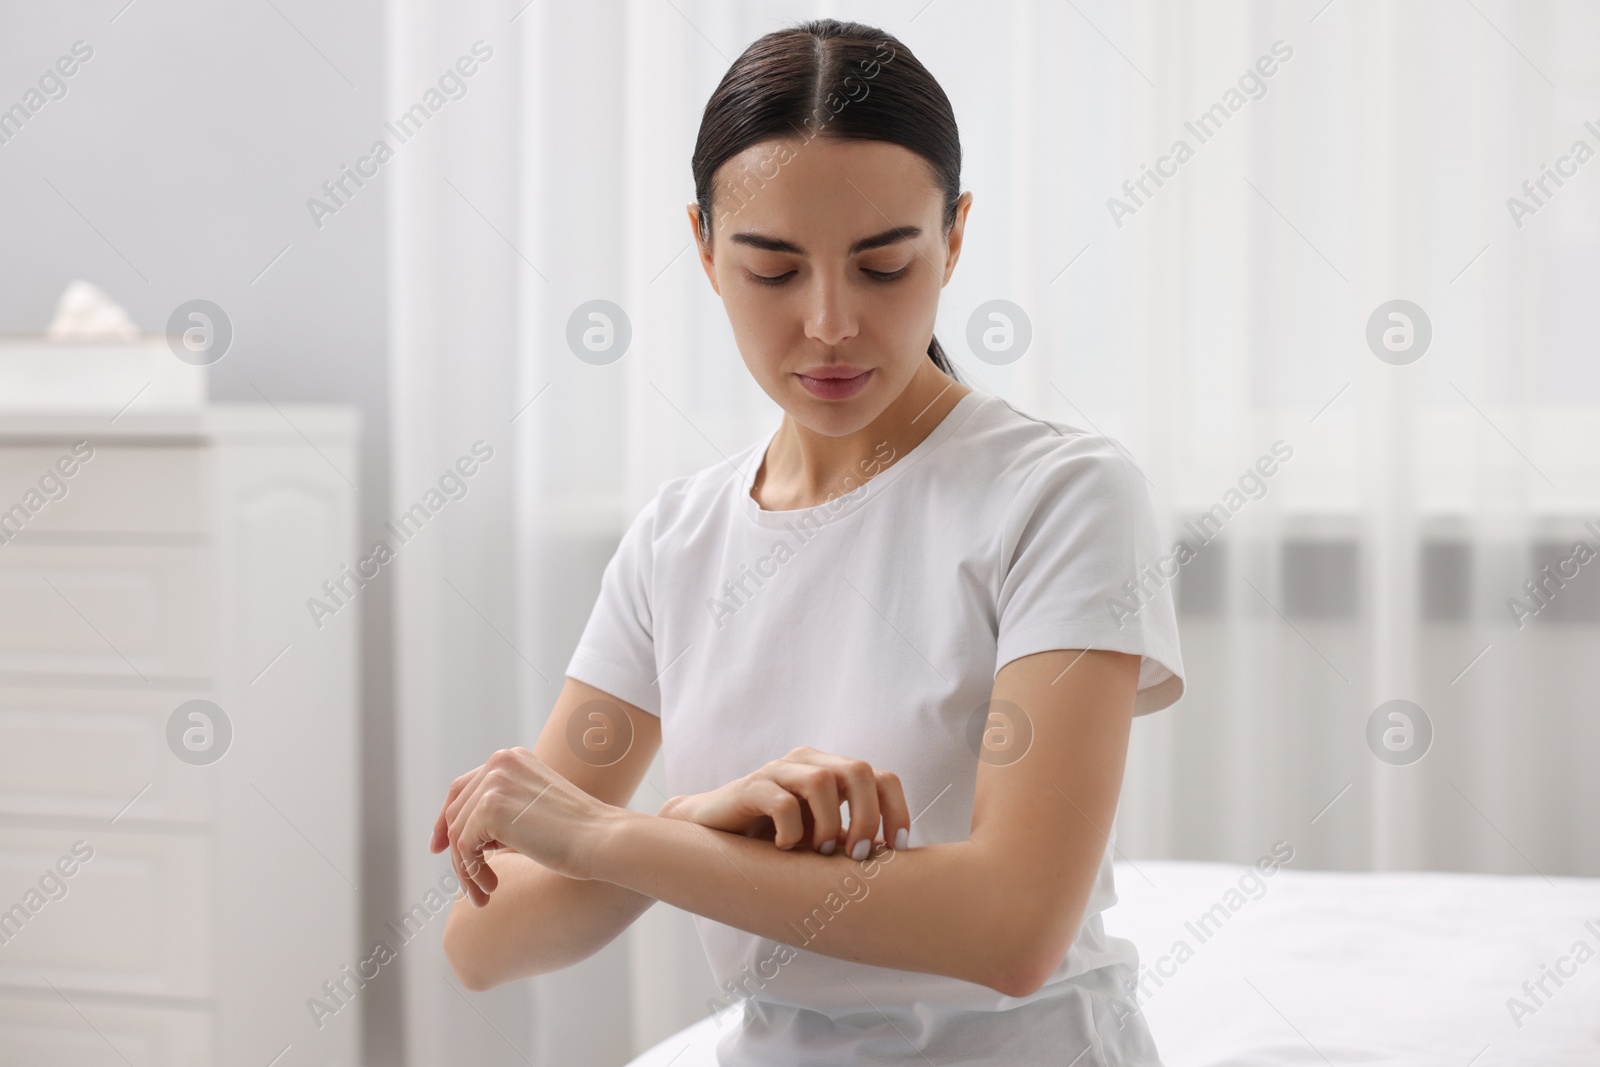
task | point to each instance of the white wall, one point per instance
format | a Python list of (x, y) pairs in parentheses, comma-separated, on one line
[(187, 146)]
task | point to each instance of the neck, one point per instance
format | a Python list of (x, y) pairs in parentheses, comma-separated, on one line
[(804, 468)]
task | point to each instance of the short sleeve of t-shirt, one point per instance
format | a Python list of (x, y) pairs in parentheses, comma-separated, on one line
[(1084, 568), (616, 652)]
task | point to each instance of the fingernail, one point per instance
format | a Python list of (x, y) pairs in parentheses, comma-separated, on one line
[(859, 853), (901, 839), (827, 846)]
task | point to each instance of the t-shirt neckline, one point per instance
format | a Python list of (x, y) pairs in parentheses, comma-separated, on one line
[(845, 503)]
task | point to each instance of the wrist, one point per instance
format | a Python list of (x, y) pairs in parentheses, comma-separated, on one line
[(613, 843)]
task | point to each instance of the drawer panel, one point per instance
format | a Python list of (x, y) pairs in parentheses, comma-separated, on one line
[(133, 918), (35, 1030), (88, 753), (120, 489), (124, 611)]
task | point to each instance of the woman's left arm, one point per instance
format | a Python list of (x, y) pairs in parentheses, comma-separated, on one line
[(1000, 908)]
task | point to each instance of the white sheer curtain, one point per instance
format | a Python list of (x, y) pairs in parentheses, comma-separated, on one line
[(1226, 313)]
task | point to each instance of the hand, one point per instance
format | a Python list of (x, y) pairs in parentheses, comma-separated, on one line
[(796, 799), (516, 801)]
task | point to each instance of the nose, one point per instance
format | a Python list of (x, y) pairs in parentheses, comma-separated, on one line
[(830, 310)]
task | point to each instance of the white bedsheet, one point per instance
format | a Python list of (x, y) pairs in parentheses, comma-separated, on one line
[(1331, 968), (1393, 968)]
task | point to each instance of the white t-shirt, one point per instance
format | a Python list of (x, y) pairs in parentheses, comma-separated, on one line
[(872, 626)]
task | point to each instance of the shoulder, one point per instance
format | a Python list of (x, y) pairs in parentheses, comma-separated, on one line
[(682, 503), (1047, 462)]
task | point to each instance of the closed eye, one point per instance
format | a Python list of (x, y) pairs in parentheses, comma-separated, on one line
[(875, 275)]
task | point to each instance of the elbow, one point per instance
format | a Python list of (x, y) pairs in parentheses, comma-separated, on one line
[(1025, 977), (471, 985), (469, 979), (1036, 952)]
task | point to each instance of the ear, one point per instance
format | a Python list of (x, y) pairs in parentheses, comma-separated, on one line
[(704, 251), (957, 230)]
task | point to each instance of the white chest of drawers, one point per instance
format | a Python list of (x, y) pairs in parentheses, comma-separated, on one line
[(175, 563)]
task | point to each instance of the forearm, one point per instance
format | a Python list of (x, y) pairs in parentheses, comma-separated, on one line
[(937, 909), (535, 922)]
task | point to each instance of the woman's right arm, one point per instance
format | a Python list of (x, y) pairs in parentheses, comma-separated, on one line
[(536, 922), (539, 921)]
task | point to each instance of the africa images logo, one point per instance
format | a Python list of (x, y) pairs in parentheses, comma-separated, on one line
[(452, 85), (453, 485)]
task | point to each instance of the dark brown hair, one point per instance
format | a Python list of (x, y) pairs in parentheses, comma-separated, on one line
[(828, 78)]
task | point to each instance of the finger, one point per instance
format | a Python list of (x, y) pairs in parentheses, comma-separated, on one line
[(466, 874), (441, 828), (469, 885), (441, 825), (476, 863), (477, 835), (471, 803), (469, 888), (477, 879), (781, 806), (818, 785), (859, 781), (484, 874), (459, 790), (466, 807), (861, 791), (896, 812)]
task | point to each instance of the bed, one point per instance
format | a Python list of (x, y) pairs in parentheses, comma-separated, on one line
[(1333, 968)]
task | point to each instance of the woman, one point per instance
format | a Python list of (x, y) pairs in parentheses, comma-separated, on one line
[(912, 599)]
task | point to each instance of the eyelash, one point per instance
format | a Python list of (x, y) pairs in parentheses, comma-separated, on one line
[(875, 275)]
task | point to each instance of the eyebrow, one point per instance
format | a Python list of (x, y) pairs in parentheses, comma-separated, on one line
[(866, 244)]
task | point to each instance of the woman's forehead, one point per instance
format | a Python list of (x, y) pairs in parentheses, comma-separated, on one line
[(825, 196)]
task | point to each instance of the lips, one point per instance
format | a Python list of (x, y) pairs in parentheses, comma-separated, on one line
[(840, 383), (834, 370)]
